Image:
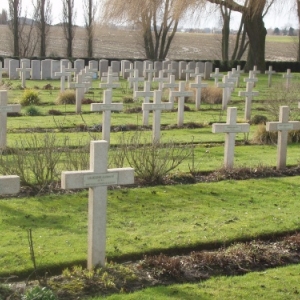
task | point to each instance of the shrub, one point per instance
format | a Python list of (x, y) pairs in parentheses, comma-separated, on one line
[(66, 97), (30, 97), (211, 95), (279, 95), (39, 293), (262, 136), (152, 161), (32, 111), (54, 112), (259, 119)]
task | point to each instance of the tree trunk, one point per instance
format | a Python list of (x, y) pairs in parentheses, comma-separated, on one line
[(298, 14), (257, 32), (43, 30)]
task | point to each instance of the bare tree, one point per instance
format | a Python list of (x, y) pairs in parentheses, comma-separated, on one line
[(253, 12), (156, 19), (43, 20), (68, 20), (90, 10), (15, 7), (3, 16)]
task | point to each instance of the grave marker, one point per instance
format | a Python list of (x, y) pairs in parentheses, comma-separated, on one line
[(198, 85), (1, 71), (270, 72), (109, 84), (226, 85), (169, 71), (135, 80), (80, 87), (160, 79), (230, 129), (4, 109), (146, 94), (216, 76), (283, 127), (97, 179), (181, 94), (107, 107), (62, 74), (23, 70), (157, 106), (9, 184), (249, 94), (150, 72), (171, 85), (288, 76)]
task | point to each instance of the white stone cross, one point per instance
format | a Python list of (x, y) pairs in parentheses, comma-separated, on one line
[(4, 109), (150, 71), (130, 71), (216, 76), (135, 80), (249, 94), (160, 79), (107, 107), (62, 74), (146, 94), (251, 78), (236, 74), (270, 72), (230, 129), (110, 83), (169, 71), (283, 127), (80, 87), (226, 85), (288, 76), (9, 184), (70, 70), (255, 72), (196, 73), (97, 179), (188, 73), (181, 94), (157, 106), (232, 78), (23, 70), (198, 85), (171, 85), (2, 70)]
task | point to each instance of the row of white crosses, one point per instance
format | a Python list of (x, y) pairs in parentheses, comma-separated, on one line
[(231, 128)]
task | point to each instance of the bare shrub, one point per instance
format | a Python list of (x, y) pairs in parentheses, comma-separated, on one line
[(152, 161), (30, 97), (66, 97), (279, 95), (262, 136), (211, 95)]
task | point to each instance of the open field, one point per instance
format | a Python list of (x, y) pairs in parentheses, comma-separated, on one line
[(112, 43), (164, 218)]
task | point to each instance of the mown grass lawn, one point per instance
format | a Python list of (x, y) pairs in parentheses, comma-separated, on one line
[(276, 284), (146, 220)]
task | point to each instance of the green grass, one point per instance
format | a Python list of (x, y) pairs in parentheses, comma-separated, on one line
[(276, 284), (281, 39), (143, 220)]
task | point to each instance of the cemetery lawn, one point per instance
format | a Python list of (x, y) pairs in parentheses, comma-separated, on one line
[(147, 220), (276, 284)]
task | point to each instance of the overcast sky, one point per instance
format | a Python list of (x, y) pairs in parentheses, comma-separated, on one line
[(275, 18)]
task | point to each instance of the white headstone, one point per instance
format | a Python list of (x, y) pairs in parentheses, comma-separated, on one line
[(157, 106), (12, 69), (288, 76), (116, 66), (182, 66), (23, 71), (36, 70), (248, 94), (226, 86), (107, 107), (97, 179), (78, 65), (4, 109), (181, 94), (46, 69), (103, 67), (55, 67), (270, 72), (283, 127), (208, 67), (198, 85), (9, 184), (230, 129), (138, 65), (146, 94)]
